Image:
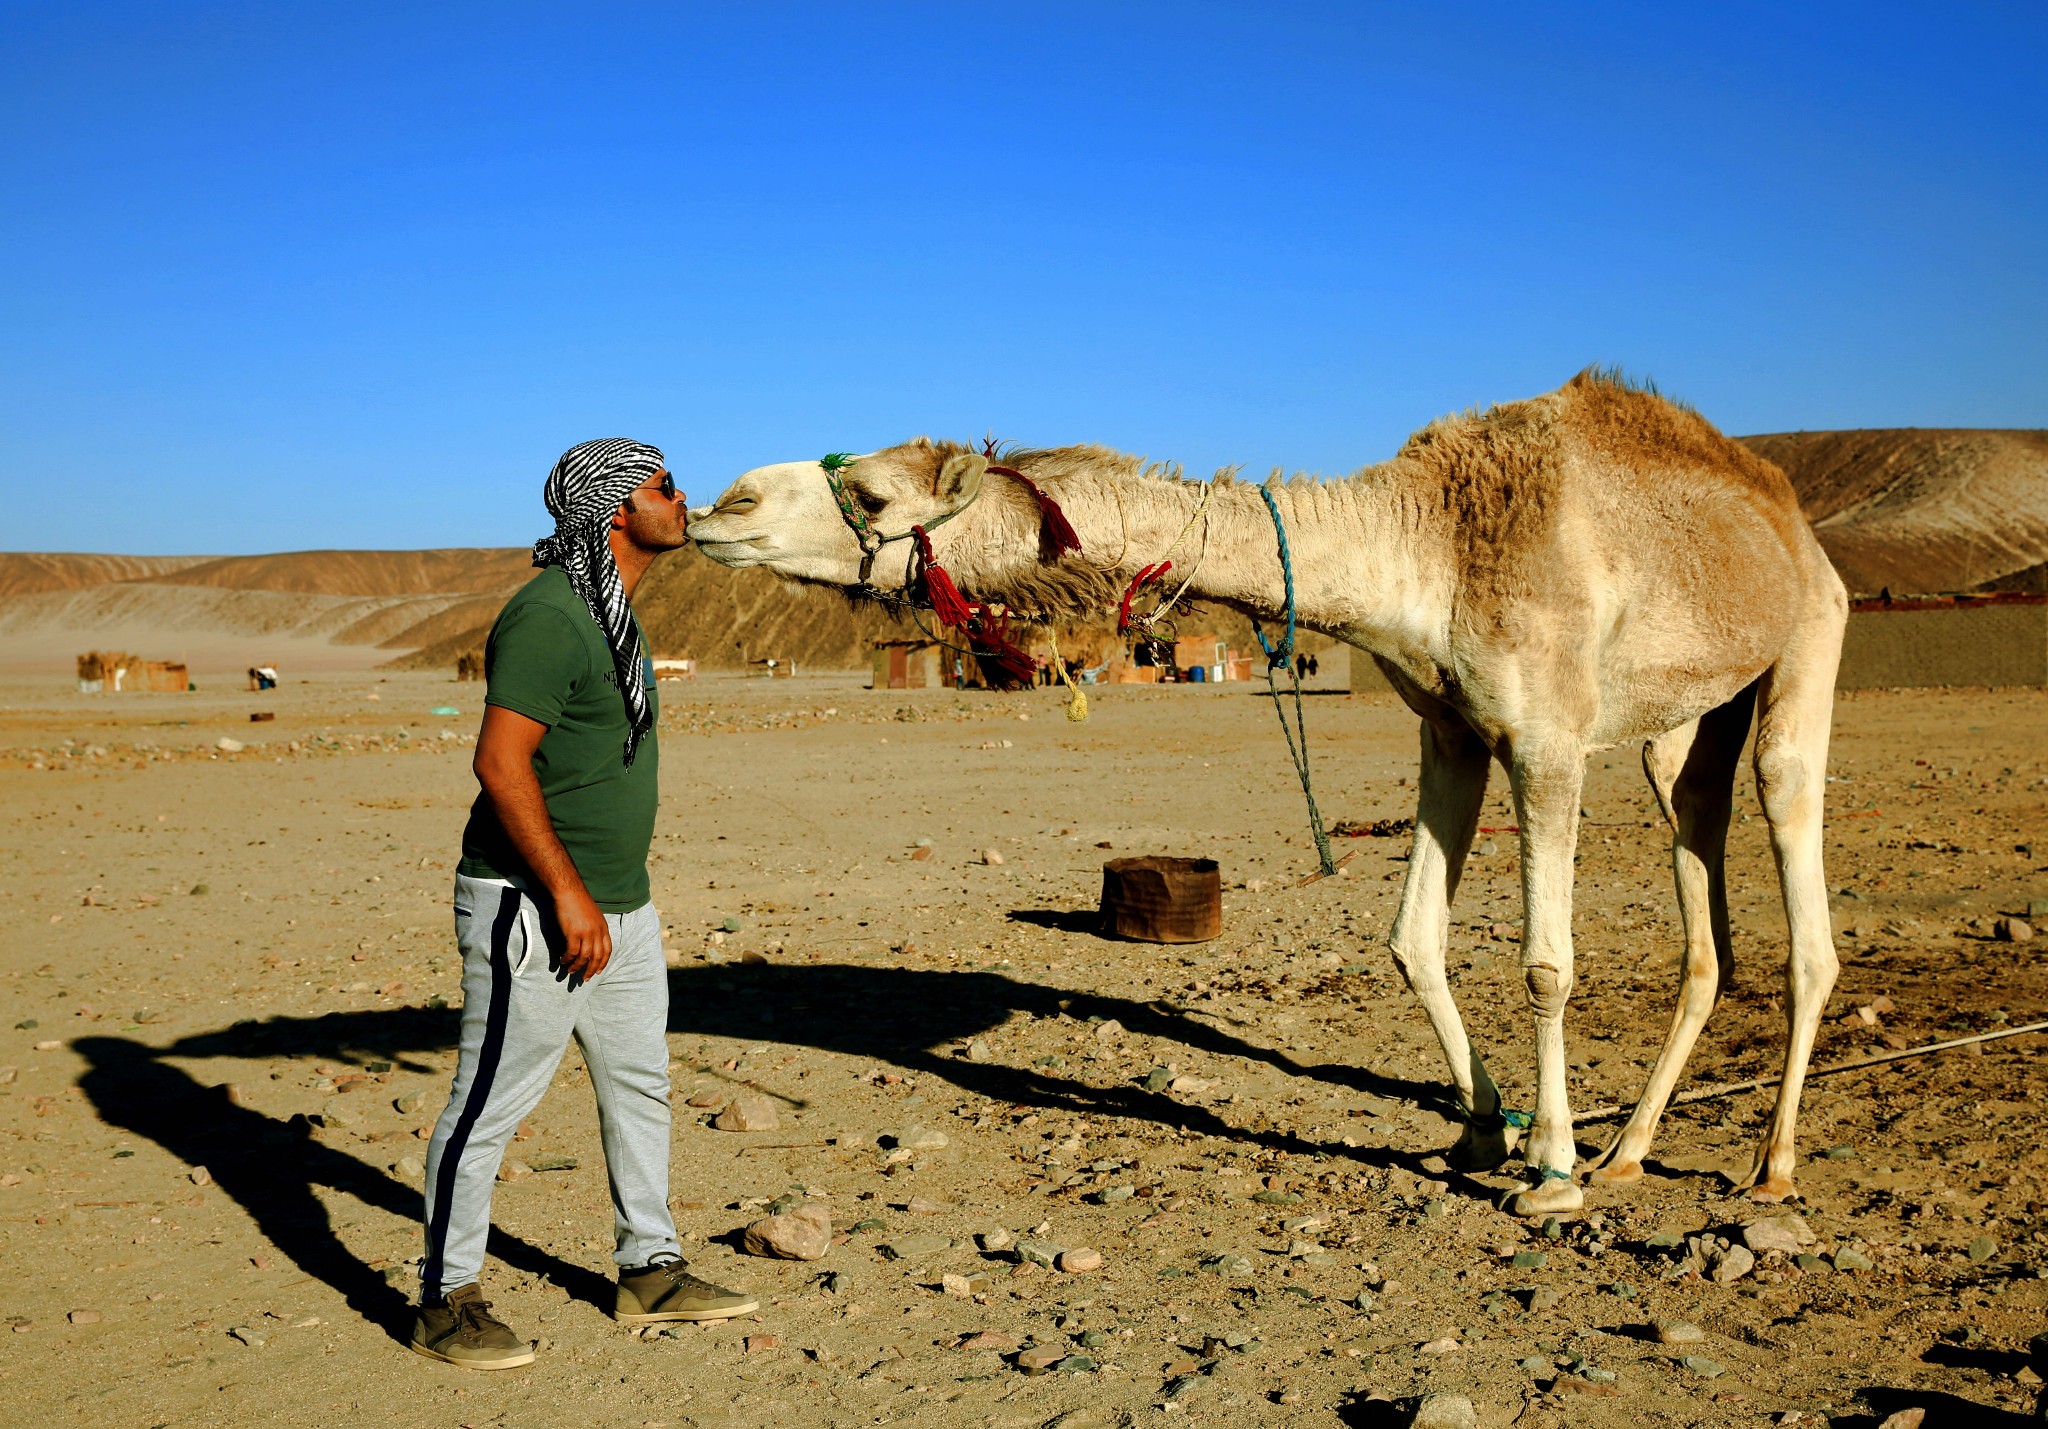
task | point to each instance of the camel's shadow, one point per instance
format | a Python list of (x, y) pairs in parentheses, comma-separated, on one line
[(914, 1019)]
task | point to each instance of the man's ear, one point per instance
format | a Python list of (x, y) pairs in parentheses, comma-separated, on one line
[(959, 479)]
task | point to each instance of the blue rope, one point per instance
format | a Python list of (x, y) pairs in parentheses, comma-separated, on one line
[(1283, 658), (1285, 653)]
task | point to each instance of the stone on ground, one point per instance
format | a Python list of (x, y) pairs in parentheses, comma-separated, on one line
[(1445, 1411), (749, 1111), (802, 1233)]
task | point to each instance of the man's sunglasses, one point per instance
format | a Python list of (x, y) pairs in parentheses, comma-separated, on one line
[(666, 486)]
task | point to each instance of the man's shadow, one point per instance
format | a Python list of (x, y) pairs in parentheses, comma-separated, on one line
[(271, 1166)]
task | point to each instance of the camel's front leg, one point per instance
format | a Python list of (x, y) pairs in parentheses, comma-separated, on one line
[(1547, 779), (1453, 784)]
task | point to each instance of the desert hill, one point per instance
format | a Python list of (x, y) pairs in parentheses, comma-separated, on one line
[(33, 572), (1909, 509), (1922, 510)]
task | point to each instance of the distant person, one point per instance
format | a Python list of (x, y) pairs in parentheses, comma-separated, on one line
[(1313, 668), (552, 911)]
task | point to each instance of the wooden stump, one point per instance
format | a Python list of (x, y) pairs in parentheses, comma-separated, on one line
[(1162, 900)]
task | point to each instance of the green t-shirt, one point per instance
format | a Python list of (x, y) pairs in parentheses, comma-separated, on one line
[(547, 659)]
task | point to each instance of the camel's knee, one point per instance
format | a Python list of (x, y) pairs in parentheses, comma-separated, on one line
[(1549, 989), (1408, 961), (1782, 781)]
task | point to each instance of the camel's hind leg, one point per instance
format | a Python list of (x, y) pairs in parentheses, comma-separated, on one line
[(1453, 783), (1796, 700), (1692, 768)]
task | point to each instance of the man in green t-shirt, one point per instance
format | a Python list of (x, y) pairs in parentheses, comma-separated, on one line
[(552, 914)]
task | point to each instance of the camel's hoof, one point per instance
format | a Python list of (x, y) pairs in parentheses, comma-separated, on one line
[(1549, 1198), (1478, 1150), (1617, 1173), (1773, 1191)]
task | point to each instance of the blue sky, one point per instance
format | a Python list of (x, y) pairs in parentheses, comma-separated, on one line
[(294, 275)]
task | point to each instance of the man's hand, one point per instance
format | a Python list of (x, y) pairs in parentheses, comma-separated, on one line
[(586, 936), (504, 767)]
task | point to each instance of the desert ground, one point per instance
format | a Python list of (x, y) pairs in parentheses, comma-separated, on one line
[(231, 995)]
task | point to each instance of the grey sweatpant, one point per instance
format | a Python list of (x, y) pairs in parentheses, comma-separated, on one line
[(518, 1012)]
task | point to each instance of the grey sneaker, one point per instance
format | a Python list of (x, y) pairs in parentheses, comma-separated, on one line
[(666, 1290), (464, 1332)]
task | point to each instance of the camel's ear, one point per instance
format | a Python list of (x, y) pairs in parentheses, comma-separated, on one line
[(959, 479)]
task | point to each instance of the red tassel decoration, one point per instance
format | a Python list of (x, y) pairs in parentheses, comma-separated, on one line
[(1138, 583), (993, 646), (947, 603), (1053, 527)]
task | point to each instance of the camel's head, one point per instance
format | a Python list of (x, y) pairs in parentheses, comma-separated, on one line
[(786, 518)]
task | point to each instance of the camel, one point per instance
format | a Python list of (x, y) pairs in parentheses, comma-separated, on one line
[(1551, 577)]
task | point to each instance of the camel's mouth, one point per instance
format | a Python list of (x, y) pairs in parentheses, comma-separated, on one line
[(740, 551)]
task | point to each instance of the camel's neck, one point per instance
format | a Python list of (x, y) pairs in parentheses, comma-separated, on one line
[(1356, 569)]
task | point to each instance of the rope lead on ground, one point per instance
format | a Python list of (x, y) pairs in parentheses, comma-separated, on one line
[(1283, 657)]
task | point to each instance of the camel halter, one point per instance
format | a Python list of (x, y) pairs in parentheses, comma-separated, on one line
[(871, 541), (987, 631)]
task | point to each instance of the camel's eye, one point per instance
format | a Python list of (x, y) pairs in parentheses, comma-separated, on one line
[(870, 503), (736, 505)]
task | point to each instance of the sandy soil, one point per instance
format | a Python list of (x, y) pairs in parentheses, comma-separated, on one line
[(241, 961)]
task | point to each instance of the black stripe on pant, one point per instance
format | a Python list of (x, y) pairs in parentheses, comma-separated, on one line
[(492, 1048)]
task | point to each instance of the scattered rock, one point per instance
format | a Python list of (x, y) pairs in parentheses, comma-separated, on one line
[(199, 1176), (1445, 1411), (1981, 1249), (1732, 1264), (966, 1287), (227, 745), (919, 1138), (246, 1335), (991, 857), (749, 1111), (1704, 1367), (1787, 1233), (803, 1233), (1529, 1260), (1032, 1251), (1229, 1264), (85, 1317), (335, 1112), (1849, 1258), (1591, 1389), (757, 1343), (410, 1167), (977, 1051), (1441, 1345), (707, 1097), (2012, 930), (990, 1340), (1039, 1359), (1904, 1419), (911, 1247), (1080, 1261), (1157, 1078), (409, 1103), (511, 1170), (1677, 1332), (995, 1240), (1544, 1297)]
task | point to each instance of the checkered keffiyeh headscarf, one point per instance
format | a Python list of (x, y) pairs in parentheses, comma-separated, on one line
[(583, 491)]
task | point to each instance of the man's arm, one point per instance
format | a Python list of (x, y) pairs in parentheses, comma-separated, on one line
[(504, 767)]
